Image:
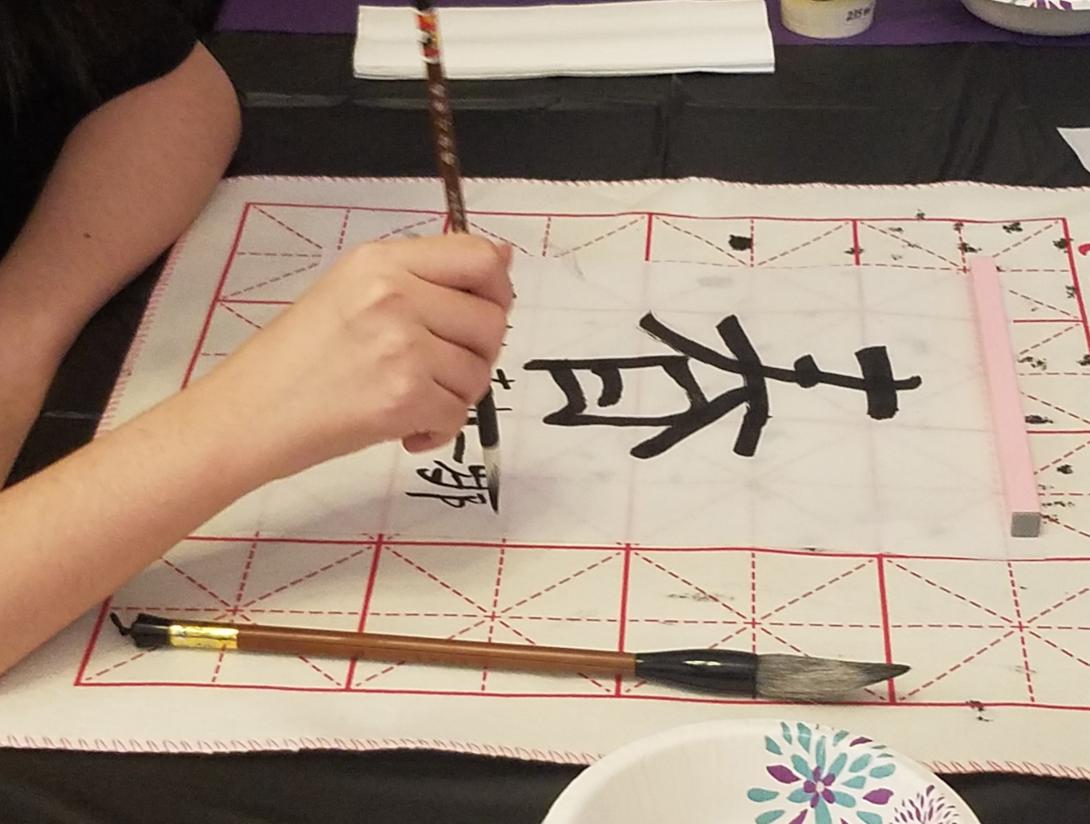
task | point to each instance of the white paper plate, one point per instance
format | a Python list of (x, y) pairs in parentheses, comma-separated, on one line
[(1047, 17), (758, 772)]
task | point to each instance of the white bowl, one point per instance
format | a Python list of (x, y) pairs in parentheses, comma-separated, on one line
[(1051, 18), (757, 772)]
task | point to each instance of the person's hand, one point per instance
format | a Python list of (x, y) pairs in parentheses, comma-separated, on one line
[(395, 342)]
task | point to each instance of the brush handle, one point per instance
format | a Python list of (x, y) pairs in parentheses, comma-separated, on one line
[(150, 631)]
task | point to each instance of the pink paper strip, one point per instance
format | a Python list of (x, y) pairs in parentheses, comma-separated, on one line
[(1012, 442)]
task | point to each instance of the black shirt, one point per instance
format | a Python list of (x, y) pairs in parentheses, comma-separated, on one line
[(125, 43)]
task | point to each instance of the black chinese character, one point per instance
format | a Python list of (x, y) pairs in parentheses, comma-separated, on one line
[(876, 381)]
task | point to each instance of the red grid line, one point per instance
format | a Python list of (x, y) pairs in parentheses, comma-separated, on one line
[(1080, 298), (1021, 632), (887, 642)]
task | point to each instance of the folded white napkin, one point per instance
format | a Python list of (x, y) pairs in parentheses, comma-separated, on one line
[(635, 37)]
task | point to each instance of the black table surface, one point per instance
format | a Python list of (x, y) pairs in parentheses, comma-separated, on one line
[(884, 115)]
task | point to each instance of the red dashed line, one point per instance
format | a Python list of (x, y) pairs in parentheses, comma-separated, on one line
[(136, 657), (817, 589), (911, 245), (1057, 605), (288, 228), (960, 664), (1058, 648), (431, 576), (280, 254), (548, 231), (1051, 337), (1065, 456), (318, 670), (703, 240), (561, 582), (693, 586), (306, 577), (600, 238), (313, 264), (1026, 239), (494, 236), (241, 317), (1021, 634), (344, 229), (950, 592), (1036, 301), (195, 582), (810, 242)]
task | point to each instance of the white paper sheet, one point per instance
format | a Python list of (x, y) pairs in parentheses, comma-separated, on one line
[(1079, 141), (841, 536), (646, 37)]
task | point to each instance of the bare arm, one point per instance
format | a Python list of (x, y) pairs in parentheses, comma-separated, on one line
[(130, 178), (393, 344)]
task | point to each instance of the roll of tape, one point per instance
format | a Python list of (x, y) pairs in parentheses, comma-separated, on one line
[(827, 19)]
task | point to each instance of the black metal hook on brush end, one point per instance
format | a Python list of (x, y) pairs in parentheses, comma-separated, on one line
[(146, 631)]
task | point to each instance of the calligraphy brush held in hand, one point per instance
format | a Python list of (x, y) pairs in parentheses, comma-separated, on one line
[(775, 677), (446, 158)]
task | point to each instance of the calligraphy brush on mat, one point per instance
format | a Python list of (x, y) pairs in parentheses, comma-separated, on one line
[(776, 677), (446, 158)]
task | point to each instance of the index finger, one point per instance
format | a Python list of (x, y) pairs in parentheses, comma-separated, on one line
[(458, 261)]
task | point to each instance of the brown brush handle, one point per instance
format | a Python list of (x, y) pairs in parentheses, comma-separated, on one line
[(442, 120), (525, 657)]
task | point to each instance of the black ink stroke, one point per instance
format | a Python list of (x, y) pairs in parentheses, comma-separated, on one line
[(875, 380)]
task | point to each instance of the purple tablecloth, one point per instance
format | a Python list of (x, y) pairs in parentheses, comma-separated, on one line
[(897, 22)]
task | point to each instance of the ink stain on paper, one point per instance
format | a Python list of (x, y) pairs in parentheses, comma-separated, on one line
[(740, 243)]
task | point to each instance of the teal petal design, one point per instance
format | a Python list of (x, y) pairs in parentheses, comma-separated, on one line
[(804, 737), (819, 755), (870, 818), (798, 796), (770, 816), (801, 767), (786, 730), (821, 814), (843, 799), (840, 736), (772, 746), (861, 763), (760, 796), (857, 782), (837, 767), (883, 771)]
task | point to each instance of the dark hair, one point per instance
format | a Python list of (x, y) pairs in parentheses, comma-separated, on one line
[(44, 42)]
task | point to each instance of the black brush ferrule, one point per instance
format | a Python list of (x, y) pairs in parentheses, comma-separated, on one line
[(146, 631), (706, 670)]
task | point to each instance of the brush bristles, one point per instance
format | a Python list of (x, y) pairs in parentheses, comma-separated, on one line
[(796, 678), (492, 474)]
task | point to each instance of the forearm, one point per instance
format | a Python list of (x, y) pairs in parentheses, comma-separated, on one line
[(75, 532)]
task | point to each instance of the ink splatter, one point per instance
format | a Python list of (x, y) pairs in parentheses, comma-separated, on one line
[(920, 215), (979, 708), (1065, 469), (966, 248), (1084, 360), (895, 257), (1061, 244), (896, 229), (1037, 419), (855, 250), (1012, 227), (959, 226), (1063, 504), (1070, 291), (1036, 363), (740, 243)]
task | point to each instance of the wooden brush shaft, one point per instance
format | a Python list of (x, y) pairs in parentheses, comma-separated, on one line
[(524, 657)]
